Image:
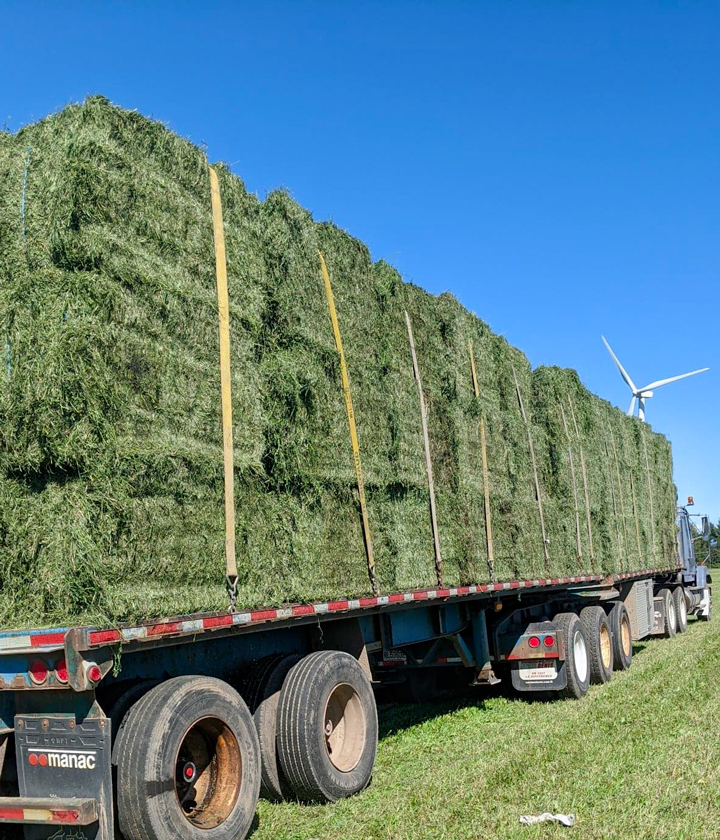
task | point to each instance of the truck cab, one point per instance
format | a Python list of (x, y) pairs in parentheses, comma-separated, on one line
[(695, 574)]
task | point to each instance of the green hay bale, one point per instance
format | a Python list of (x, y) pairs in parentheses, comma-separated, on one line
[(307, 431), (116, 276), (607, 435), (111, 486), (553, 388)]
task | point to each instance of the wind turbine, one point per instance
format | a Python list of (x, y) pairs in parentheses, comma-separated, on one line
[(644, 393)]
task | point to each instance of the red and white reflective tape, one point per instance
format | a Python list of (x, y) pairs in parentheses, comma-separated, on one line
[(146, 632), (53, 639), (43, 811), (33, 815), (200, 624), (645, 573)]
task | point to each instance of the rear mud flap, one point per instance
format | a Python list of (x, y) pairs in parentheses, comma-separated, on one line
[(535, 675), (64, 757)]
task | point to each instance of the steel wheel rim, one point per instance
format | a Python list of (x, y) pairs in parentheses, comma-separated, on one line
[(625, 634), (671, 617), (208, 773), (580, 656), (605, 646), (344, 728)]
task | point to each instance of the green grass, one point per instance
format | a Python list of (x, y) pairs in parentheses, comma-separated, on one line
[(637, 758)]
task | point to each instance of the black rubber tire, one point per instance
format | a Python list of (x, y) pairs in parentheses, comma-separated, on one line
[(301, 737), (598, 636), (577, 685), (273, 784), (154, 730), (120, 709), (254, 679), (621, 630), (678, 596), (670, 625), (681, 613), (118, 714)]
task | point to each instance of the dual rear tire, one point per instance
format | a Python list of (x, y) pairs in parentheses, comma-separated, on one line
[(621, 635), (317, 725), (577, 657), (191, 757), (676, 611), (596, 643), (327, 727), (188, 765), (599, 638)]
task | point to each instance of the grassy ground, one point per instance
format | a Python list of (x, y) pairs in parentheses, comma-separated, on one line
[(637, 758)]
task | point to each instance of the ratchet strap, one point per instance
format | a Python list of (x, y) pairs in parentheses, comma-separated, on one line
[(428, 458), (351, 423), (485, 471), (225, 387)]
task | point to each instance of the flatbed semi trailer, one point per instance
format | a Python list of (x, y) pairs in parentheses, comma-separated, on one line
[(172, 729)]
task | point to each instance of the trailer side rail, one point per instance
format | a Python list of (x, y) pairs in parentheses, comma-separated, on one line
[(87, 638)]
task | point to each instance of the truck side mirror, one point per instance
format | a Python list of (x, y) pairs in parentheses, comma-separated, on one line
[(705, 528)]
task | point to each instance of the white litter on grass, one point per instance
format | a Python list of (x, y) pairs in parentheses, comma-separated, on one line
[(564, 819)]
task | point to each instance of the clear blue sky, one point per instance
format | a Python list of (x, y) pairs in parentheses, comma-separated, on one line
[(555, 165)]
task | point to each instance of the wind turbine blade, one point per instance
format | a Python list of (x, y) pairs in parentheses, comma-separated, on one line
[(631, 410), (622, 370), (672, 379)]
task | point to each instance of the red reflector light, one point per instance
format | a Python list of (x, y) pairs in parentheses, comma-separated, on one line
[(549, 641), (534, 641), (65, 816), (61, 671), (94, 673), (38, 672)]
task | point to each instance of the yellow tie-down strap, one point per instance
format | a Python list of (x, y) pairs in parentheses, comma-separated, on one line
[(351, 423), (225, 385)]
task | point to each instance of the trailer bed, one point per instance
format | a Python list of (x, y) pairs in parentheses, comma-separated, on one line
[(191, 626)]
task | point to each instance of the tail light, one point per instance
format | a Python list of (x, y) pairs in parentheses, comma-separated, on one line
[(94, 673), (61, 671), (534, 641), (549, 641), (38, 672)]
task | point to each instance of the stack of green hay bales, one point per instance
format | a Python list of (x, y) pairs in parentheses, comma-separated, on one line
[(111, 502)]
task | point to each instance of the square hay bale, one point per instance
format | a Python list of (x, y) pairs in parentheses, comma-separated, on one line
[(111, 485)]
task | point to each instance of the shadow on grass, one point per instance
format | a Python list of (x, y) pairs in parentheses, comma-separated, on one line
[(395, 716)]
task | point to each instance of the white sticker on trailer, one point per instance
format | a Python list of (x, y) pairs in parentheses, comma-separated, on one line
[(534, 672)]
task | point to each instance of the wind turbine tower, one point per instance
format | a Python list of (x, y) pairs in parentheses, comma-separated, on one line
[(639, 395)]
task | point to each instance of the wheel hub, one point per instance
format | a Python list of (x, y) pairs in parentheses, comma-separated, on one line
[(208, 773), (189, 772), (626, 637), (605, 647), (580, 655), (344, 728)]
